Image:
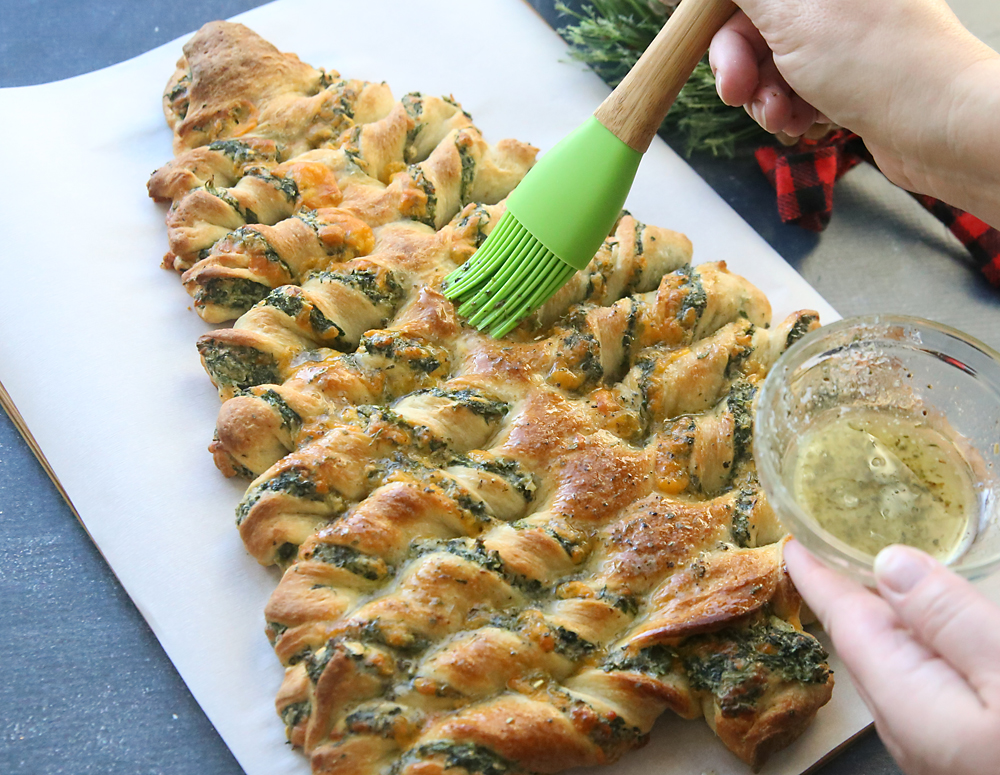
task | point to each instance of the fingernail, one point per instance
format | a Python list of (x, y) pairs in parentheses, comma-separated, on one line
[(718, 85), (899, 568), (757, 111)]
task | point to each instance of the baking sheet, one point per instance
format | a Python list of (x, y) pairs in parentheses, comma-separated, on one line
[(97, 342)]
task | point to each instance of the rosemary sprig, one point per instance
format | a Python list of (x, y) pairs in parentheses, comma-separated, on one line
[(610, 35)]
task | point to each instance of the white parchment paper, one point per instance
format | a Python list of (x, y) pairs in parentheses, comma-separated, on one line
[(97, 342)]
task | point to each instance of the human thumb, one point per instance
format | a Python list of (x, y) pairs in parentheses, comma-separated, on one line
[(944, 612)]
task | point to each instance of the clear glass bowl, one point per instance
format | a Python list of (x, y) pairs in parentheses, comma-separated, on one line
[(884, 363)]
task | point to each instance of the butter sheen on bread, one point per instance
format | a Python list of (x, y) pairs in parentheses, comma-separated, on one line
[(501, 556)]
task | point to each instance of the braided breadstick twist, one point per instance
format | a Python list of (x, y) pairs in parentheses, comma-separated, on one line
[(222, 162), (246, 264), (231, 82), (231, 265)]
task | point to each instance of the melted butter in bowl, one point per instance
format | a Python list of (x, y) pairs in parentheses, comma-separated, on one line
[(874, 479), (880, 430)]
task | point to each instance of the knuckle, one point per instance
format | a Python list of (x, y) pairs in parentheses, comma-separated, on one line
[(935, 606)]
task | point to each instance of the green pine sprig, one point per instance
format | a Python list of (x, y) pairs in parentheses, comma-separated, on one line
[(610, 36)]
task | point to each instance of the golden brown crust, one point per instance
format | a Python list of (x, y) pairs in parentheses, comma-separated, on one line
[(202, 165), (231, 82), (499, 556), (722, 588), (790, 710)]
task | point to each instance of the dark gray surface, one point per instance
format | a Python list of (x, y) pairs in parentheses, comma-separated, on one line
[(84, 685)]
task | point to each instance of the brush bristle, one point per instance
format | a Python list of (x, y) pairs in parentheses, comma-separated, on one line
[(509, 277)]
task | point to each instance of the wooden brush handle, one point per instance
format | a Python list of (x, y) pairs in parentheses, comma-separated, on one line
[(636, 108)]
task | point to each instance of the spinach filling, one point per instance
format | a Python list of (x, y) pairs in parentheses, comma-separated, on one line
[(320, 323), (605, 267), (286, 553), (408, 641), (615, 732), (235, 293), (510, 470), (742, 352), (352, 560), (628, 338), (590, 363), (422, 182), (428, 365), (473, 400), (239, 366), (413, 104), (278, 629), (396, 347), (740, 403), (290, 419), (374, 414), (432, 477), (695, 299), (418, 438), (237, 151), (379, 285), (468, 171), (735, 665), (292, 481), (571, 645), (316, 662), (286, 299), (800, 328), (286, 186), (255, 242), (343, 107), (657, 660), (645, 368), (178, 95), (572, 548), (473, 758), (488, 559), (294, 714), (311, 219), (466, 502), (481, 216), (581, 352), (473, 551), (627, 604), (289, 300), (239, 469), (248, 215), (352, 149), (380, 719), (742, 510)]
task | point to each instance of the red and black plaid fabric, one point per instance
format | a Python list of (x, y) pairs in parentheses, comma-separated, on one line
[(803, 176)]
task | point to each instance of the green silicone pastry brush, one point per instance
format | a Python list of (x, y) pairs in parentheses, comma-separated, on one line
[(566, 206)]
